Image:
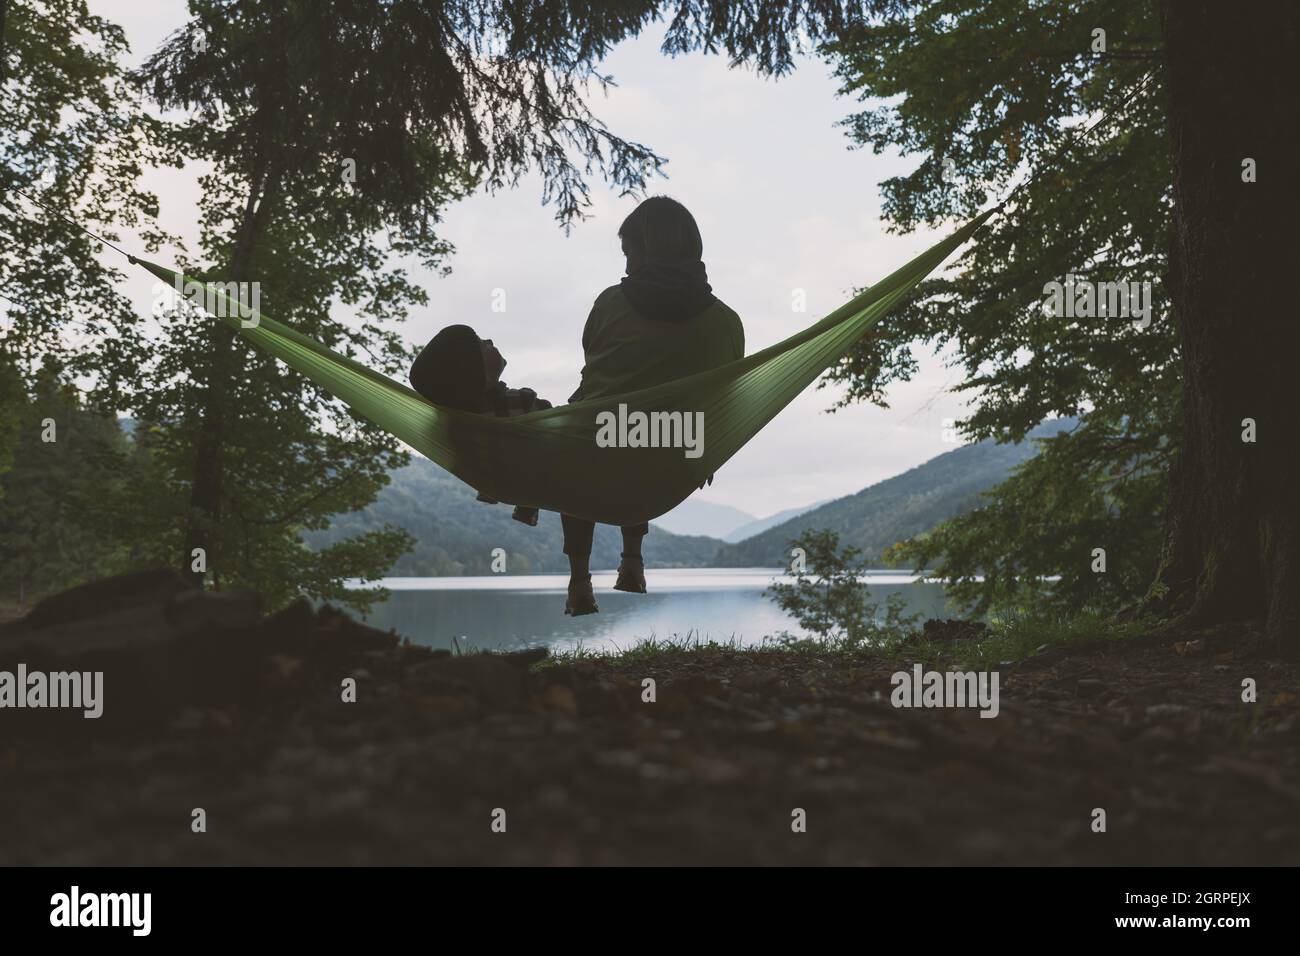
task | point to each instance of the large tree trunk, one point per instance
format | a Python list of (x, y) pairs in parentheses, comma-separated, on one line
[(1231, 542)]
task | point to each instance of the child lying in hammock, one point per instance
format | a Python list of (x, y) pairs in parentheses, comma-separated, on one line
[(459, 370)]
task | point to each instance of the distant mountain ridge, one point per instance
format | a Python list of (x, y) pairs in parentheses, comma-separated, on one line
[(759, 525), (695, 517), (729, 524), (898, 508)]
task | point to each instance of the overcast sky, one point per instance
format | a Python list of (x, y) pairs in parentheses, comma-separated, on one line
[(782, 203)]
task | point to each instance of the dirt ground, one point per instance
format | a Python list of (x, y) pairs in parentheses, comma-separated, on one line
[(208, 706)]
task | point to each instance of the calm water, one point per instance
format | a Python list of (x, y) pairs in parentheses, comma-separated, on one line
[(515, 611)]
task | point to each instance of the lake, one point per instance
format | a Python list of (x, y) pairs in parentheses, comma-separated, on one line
[(517, 611)]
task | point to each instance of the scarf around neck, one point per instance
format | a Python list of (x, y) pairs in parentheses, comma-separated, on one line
[(669, 290)]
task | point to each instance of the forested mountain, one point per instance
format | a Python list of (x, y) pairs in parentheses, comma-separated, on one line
[(898, 508)]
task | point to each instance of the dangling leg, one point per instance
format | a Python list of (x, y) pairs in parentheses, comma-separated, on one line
[(631, 570), (578, 535)]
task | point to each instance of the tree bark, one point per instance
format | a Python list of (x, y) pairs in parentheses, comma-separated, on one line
[(1231, 538)]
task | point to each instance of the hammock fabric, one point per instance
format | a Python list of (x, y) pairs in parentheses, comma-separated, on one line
[(550, 459)]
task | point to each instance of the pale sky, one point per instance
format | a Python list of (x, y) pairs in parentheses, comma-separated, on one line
[(782, 203)]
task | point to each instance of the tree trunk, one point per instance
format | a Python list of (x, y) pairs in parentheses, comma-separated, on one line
[(208, 478), (1231, 539)]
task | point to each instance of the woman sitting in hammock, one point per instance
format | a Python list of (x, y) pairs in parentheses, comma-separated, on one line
[(660, 323)]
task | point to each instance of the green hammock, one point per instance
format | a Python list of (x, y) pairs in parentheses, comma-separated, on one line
[(550, 459)]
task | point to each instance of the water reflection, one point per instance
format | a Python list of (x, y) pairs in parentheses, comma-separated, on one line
[(516, 611)]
